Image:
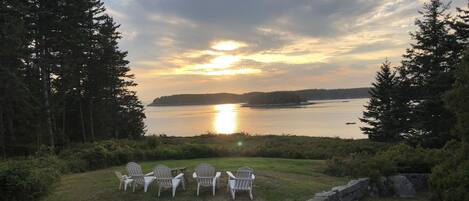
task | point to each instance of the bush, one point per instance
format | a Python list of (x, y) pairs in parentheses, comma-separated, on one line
[(450, 180), (32, 178), (360, 165), (399, 158), (25, 180), (101, 154)]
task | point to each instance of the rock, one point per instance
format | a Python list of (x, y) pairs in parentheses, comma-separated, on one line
[(420, 181), (403, 187)]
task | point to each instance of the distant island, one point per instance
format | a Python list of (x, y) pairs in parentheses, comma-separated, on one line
[(276, 99), (259, 98)]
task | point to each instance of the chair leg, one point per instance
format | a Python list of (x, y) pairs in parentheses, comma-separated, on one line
[(183, 183), (214, 189), (174, 191), (159, 190), (134, 187), (198, 188), (250, 194)]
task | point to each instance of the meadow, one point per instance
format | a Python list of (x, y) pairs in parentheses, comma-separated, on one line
[(276, 180), (287, 167)]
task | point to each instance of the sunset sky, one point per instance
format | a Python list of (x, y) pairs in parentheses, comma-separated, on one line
[(205, 46)]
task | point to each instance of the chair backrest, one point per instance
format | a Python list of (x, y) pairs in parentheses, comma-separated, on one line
[(244, 172), (243, 183), (135, 172), (163, 175), (205, 174), (205, 170)]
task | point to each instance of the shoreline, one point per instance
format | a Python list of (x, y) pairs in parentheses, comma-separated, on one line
[(314, 101), (281, 105)]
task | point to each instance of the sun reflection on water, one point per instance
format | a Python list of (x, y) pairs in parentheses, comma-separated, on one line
[(225, 121)]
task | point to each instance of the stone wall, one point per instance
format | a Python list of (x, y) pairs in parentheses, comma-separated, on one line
[(359, 188), (420, 181), (353, 190)]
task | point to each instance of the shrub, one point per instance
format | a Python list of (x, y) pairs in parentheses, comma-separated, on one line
[(360, 165), (399, 158), (25, 180), (450, 180)]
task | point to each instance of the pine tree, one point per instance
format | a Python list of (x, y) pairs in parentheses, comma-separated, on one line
[(63, 76), (380, 114), (45, 31), (428, 68), (456, 99), (460, 24), (17, 104), (126, 120)]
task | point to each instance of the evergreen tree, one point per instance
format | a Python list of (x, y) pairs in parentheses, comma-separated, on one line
[(456, 99), (428, 68), (461, 26), (45, 31), (18, 122), (117, 100), (380, 114), (448, 180), (63, 76)]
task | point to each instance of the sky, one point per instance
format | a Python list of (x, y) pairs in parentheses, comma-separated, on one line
[(209, 46)]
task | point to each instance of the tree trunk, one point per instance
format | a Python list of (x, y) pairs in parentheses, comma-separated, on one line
[(10, 127), (64, 119), (82, 120), (465, 147), (2, 136), (47, 108), (91, 120), (46, 88)]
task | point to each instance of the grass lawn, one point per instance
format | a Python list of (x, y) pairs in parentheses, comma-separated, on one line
[(276, 179)]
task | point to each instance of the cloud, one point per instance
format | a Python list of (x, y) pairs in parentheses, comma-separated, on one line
[(171, 20), (181, 46), (116, 14)]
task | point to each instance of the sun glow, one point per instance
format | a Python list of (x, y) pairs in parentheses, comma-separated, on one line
[(220, 62), (224, 61), (225, 121), (228, 45), (241, 71)]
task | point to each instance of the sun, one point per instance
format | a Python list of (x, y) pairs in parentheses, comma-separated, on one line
[(228, 45), (225, 121)]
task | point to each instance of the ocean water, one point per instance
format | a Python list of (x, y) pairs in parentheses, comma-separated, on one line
[(326, 118)]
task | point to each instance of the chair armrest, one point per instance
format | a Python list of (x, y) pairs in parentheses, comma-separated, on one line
[(230, 175), (217, 175), (149, 174), (253, 177), (180, 175), (137, 176), (194, 175)]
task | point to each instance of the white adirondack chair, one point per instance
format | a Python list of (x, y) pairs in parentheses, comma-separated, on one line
[(206, 177), (135, 173), (241, 181), (124, 180), (166, 180)]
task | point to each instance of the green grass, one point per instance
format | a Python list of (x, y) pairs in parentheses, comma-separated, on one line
[(276, 179)]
